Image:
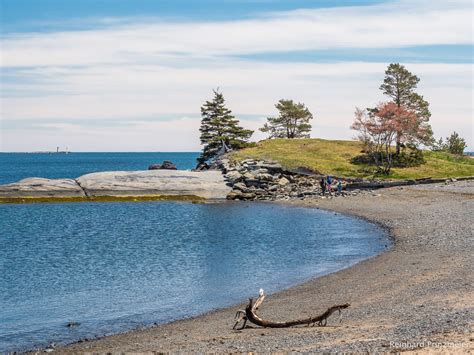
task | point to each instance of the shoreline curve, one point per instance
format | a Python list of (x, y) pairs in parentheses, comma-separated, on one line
[(412, 291)]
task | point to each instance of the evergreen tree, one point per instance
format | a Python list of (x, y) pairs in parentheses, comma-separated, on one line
[(219, 128), (455, 144), (399, 84), (292, 122)]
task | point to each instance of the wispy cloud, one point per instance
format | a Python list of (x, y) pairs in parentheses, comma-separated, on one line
[(397, 24), (110, 92), (130, 76)]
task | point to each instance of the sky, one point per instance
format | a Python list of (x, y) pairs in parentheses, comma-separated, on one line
[(131, 75)]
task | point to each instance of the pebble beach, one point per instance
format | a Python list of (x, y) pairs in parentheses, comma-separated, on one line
[(417, 296)]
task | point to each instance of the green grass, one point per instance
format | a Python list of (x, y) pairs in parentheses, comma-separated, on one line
[(334, 158)]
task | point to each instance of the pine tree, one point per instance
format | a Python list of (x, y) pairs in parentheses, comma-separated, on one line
[(399, 84), (455, 144), (219, 127), (292, 122)]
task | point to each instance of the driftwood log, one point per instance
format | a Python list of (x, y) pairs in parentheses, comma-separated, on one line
[(250, 314)]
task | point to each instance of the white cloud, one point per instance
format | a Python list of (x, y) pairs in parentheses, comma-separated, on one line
[(394, 24), (330, 90), (107, 92), (155, 70)]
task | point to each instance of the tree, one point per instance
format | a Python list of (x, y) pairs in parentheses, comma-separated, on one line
[(219, 128), (292, 121), (399, 84), (380, 128), (455, 144), (438, 145)]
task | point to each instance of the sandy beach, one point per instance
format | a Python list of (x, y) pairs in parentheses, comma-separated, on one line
[(416, 296)]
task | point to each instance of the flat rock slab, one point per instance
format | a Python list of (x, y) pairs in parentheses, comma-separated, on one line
[(39, 187), (205, 184)]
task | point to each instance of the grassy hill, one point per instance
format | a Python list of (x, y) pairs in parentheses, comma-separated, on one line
[(334, 158)]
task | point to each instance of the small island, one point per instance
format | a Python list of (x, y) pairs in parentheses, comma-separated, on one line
[(276, 169)]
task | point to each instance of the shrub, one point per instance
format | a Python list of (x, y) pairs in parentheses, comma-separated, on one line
[(407, 158)]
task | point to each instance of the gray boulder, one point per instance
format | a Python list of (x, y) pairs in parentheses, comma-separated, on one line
[(240, 186), (273, 188), (166, 165), (239, 195), (264, 177), (169, 165), (283, 181), (233, 176)]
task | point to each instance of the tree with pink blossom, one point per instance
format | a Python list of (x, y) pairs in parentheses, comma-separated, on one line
[(399, 84), (381, 128)]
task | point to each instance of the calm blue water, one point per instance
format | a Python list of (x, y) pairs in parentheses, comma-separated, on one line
[(113, 267), (17, 166)]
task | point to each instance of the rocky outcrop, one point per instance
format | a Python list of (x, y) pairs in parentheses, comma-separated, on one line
[(225, 178), (39, 187), (166, 165), (206, 184), (263, 180)]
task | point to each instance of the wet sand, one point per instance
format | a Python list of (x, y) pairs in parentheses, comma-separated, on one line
[(416, 296)]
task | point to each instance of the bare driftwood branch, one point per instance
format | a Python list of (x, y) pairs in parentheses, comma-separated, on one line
[(250, 314)]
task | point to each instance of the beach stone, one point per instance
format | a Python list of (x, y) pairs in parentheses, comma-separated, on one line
[(225, 162), (234, 176), (264, 177), (248, 176), (239, 195), (240, 186), (283, 181), (260, 171), (253, 182)]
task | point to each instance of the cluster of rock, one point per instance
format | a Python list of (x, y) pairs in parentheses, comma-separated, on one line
[(262, 180), (166, 165)]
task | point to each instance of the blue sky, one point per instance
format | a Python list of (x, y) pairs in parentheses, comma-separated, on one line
[(119, 75), (51, 15)]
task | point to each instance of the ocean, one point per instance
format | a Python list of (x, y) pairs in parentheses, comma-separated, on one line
[(112, 267), (16, 166)]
